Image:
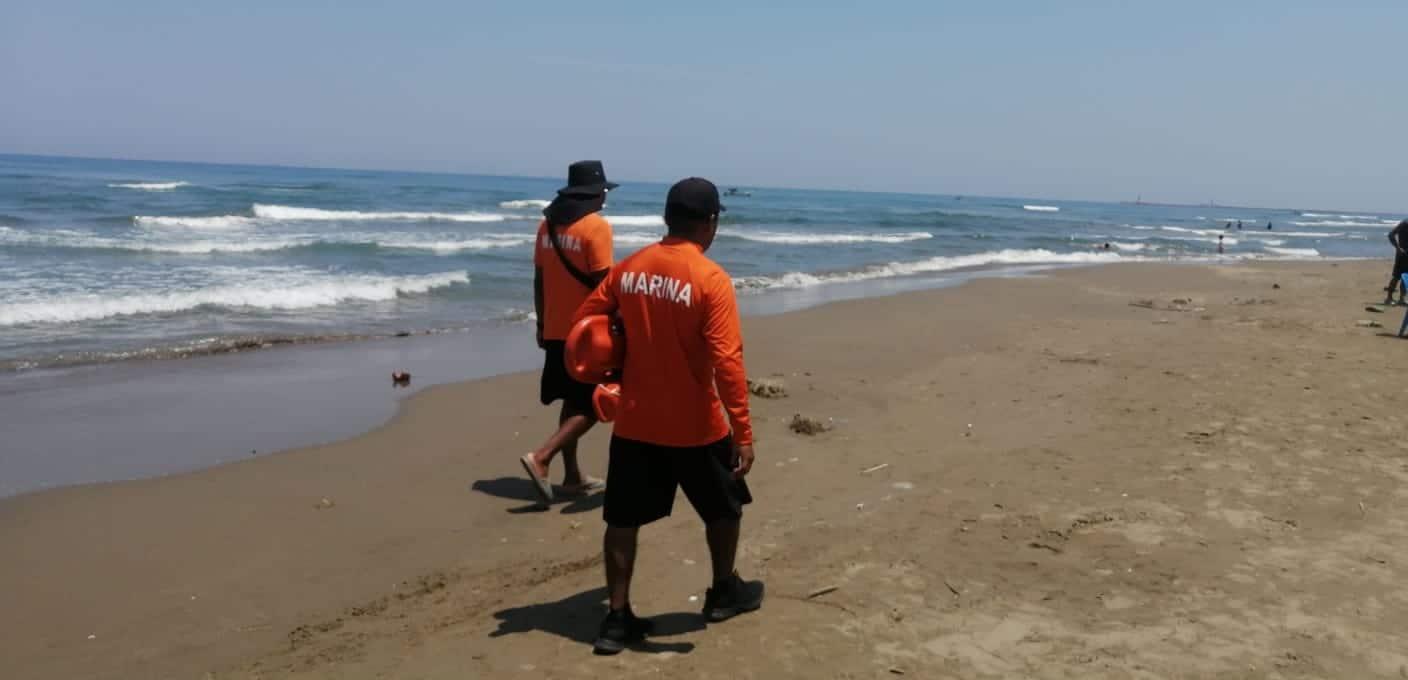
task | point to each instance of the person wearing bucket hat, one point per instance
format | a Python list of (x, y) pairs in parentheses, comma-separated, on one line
[(682, 418), (571, 255)]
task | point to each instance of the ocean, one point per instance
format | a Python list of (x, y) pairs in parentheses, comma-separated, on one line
[(109, 260)]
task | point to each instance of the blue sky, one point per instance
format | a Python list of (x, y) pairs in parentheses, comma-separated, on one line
[(1297, 104)]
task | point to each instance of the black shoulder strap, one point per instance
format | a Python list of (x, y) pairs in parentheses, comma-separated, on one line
[(572, 269)]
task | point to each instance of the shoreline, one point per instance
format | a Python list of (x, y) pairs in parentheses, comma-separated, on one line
[(1215, 470), (353, 371), (763, 300)]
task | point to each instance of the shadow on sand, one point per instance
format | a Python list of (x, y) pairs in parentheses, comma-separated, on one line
[(577, 618), (520, 489)]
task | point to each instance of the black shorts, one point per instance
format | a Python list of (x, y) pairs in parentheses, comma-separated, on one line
[(641, 479), (556, 384)]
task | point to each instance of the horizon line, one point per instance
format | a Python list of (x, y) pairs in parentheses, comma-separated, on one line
[(1137, 201)]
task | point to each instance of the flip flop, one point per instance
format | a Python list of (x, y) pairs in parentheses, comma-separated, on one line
[(588, 487), (540, 484)]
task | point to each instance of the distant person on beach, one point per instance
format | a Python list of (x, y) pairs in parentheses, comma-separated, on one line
[(571, 255), (1219, 244), (683, 372), (1399, 238)]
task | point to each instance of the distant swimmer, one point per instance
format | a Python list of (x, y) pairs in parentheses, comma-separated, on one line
[(1219, 244), (1105, 247), (1399, 238), (1268, 226), (1239, 225), (1228, 227)]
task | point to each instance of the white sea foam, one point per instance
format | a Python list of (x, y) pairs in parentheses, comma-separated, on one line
[(1041, 208), (298, 214), (1129, 247), (930, 265), (636, 220), (150, 186), (211, 222), (525, 203), (1343, 217), (793, 238), (1293, 252), (1308, 234), (446, 246), (1378, 224), (1226, 240), (638, 239), (278, 292), (85, 240)]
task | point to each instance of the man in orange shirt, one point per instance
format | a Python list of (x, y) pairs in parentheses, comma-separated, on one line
[(571, 255), (683, 371)]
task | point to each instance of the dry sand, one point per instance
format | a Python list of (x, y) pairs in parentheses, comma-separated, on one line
[(1074, 486)]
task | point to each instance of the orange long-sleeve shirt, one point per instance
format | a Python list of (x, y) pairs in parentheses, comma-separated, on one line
[(587, 244), (682, 340)]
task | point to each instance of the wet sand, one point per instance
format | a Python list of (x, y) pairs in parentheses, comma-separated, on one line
[(1125, 471)]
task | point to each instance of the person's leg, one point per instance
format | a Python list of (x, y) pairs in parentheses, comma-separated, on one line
[(639, 491), (706, 475), (619, 548), (572, 424), (722, 536)]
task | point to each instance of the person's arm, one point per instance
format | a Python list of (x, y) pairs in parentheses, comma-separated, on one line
[(725, 341), (538, 278), (538, 301), (599, 253)]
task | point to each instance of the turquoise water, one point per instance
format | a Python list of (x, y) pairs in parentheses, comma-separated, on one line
[(103, 260)]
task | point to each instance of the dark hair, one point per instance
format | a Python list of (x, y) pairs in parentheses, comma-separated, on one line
[(682, 221)]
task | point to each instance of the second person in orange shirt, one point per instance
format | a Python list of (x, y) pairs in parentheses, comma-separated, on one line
[(571, 254)]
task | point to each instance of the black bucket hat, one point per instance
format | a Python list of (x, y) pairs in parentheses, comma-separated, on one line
[(586, 178)]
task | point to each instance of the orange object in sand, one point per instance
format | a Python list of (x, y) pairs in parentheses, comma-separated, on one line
[(604, 401), (595, 350)]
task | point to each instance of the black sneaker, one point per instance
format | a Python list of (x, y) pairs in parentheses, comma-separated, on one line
[(619, 630), (731, 598)]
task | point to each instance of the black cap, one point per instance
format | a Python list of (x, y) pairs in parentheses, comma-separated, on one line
[(695, 196), (586, 178)]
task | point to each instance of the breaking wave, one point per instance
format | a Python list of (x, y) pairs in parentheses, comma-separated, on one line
[(150, 186), (926, 266), (291, 291), (790, 238)]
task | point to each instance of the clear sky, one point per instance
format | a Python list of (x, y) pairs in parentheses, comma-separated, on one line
[(1278, 103)]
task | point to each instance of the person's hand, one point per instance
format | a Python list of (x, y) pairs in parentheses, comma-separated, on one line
[(541, 343), (743, 461)]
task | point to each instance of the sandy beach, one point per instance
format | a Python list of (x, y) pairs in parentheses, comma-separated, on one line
[(1129, 471)]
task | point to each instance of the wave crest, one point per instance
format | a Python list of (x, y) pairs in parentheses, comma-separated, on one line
[(211, 222), (274, 293), (150, 186), (928, 266), (793, 238), (298, 214)]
